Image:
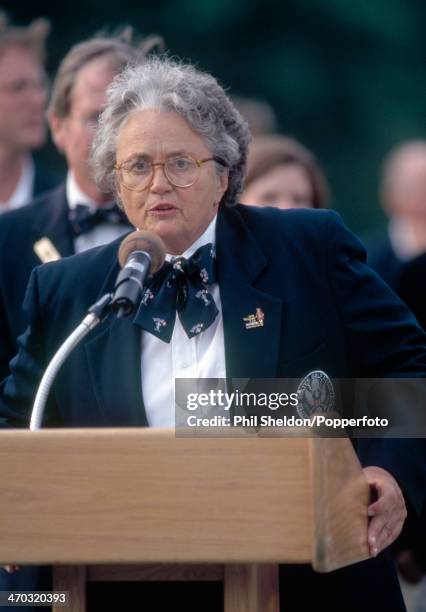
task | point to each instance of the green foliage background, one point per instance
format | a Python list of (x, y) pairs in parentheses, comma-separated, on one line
[(345, 77)]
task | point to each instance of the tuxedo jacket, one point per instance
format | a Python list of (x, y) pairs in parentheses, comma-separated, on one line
[(323, 309), (411, 287), (44, 179), (20, 229)]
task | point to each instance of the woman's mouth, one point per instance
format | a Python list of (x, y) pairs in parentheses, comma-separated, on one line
[(163, 209)]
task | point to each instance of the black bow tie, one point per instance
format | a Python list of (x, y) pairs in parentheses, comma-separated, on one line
[(83, 218), (180, 285)]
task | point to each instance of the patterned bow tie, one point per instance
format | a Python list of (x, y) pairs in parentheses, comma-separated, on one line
[(180, 285), (83, 218)]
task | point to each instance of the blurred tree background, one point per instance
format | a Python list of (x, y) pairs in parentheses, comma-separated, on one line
[(346, 78)]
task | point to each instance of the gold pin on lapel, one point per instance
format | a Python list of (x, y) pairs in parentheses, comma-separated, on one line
[(45, 250), (255, 320)]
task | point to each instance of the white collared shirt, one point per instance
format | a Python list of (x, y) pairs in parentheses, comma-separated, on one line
[(102, 233), (403, 239), (202, 356), (23, 193)]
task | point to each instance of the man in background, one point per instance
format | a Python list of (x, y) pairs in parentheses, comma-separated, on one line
[(400, 258), (403, 197), (76, 215), (23, 99)]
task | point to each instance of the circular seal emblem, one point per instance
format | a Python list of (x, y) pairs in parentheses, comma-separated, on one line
[(315, 394)]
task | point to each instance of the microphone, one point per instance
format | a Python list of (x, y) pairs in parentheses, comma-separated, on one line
[(140, 253)]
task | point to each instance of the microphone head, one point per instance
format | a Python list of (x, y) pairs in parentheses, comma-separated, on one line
[(143, 241)]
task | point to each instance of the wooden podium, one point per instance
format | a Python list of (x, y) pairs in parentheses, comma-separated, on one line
[(142, 504)]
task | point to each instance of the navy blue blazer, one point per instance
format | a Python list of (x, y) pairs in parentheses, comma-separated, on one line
[(323, 307), (47, 217)]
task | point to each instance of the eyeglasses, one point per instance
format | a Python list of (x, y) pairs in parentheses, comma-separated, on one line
[(181, 171)]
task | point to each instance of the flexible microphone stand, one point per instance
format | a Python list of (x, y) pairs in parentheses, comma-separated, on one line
[(95, 315)]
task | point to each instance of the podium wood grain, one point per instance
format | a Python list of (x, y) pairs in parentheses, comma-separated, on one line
[(341, 496), (141, 504), (97, 496)]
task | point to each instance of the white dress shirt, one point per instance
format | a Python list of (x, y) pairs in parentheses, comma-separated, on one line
[(403, 239), (102, 233), (23, 193), (202, 356)]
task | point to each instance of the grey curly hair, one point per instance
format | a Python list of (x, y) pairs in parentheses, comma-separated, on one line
[(170, 85)]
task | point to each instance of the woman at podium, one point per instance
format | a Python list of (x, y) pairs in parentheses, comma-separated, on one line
[(245, 292)]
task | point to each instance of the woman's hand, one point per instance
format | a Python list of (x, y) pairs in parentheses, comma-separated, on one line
[(387, 512)]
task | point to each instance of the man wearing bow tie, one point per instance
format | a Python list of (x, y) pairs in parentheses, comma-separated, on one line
[(77, 215)]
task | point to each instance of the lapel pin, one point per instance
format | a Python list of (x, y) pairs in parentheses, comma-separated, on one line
[(252, 321), (45, 250)]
